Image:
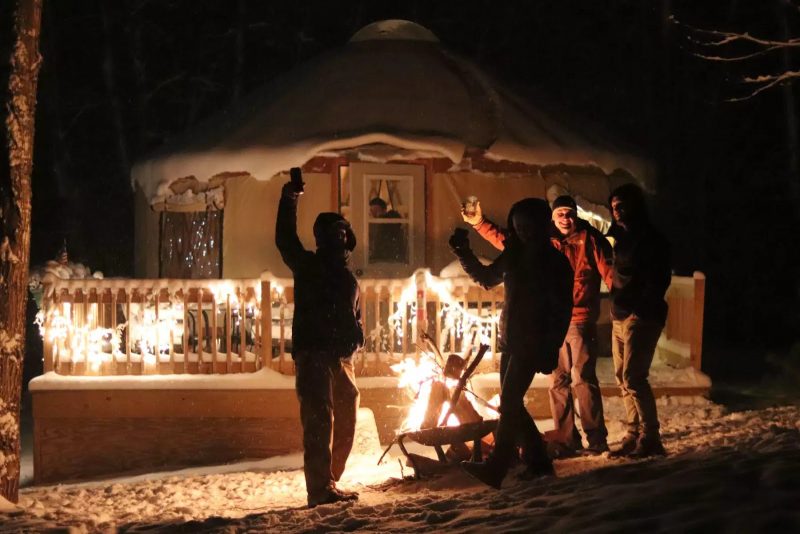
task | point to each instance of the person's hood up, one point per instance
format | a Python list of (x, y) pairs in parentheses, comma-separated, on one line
[(538, 210), (323, 224)]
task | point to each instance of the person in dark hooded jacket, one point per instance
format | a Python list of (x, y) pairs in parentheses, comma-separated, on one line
[(326, 331), (535, 318), (640, 278)]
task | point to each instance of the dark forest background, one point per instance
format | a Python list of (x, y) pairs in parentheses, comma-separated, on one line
[(121, 77)]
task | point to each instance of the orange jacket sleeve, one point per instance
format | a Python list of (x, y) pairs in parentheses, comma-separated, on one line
[(492, 233)]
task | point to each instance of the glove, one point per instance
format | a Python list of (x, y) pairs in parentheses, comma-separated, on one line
[(291, 190), (473, 218), (459, 240)]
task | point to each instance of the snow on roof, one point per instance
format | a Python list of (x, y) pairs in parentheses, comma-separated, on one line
[(392, 84), (394, 30)]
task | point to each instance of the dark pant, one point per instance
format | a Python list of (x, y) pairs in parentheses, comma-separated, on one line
[(575, 379), (328, 395), (516, 426), (633, 343)]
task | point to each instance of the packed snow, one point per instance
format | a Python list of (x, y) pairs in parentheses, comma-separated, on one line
[(725, 471)]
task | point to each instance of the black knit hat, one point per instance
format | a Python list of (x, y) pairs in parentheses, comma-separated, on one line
[(565, 201)]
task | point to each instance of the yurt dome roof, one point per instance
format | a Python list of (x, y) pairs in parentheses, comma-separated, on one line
[(391, 84)]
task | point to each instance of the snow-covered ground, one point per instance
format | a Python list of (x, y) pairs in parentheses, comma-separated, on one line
[(725, 472)]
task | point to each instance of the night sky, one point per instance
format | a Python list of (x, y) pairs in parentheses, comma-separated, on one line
[(120, 78)]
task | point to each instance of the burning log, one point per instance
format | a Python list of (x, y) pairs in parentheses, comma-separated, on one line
[(439, 395), (468, 425)]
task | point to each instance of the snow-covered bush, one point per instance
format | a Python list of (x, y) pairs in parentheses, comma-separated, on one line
[(43, 274)]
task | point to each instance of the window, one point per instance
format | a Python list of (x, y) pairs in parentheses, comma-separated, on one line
[(191, 244), (386, 206), (388, 219)]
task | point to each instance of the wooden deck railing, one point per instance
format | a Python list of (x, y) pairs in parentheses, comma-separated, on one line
[(683, 334), (160, 326)]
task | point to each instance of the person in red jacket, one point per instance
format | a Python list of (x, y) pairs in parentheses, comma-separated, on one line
[(575, 378)]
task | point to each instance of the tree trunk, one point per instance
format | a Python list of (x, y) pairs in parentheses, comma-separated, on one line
[(15, 234)]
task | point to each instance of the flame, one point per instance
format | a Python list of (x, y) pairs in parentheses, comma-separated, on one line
[(416, 378)]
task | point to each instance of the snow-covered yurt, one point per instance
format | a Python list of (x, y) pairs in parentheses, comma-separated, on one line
[(392, 114), (190, 361)]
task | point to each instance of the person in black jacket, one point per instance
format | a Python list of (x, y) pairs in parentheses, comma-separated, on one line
[(641, 276), (535, 318), (326, 331)]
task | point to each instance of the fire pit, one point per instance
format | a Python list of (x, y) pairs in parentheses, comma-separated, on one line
[(435, 432)]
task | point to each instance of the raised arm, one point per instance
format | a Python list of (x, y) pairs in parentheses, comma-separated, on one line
[(286, 238), (492, 233), (488, 230), (487, 276)]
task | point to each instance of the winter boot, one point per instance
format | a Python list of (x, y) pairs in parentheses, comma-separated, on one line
[(627, 446), (648, 445), (487, 472), (538, 469), (331, 495), (595, 449)]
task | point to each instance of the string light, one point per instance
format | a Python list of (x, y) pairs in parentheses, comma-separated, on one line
[(152, 334)]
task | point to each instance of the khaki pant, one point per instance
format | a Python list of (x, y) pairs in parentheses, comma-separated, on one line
[(575, 380), (328, 395), (633, 343)]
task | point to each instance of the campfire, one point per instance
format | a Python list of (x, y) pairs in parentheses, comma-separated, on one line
[(445, 411)]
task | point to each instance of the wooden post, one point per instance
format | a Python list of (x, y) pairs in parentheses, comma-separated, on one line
[(266, 323), (171, 338), (696, 349), (113, 300), (48, 305), (185, 339), (228, 328), (282, 334), (85, 336), (200, 326), (378, 345), (213, 339), (242, 330), (128, 331), (392, 329), (157, 347)]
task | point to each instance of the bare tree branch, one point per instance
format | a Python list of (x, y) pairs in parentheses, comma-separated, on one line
[(707, 40), (769, 81)]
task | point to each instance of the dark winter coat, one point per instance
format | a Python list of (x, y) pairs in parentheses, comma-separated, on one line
[(642, 272), (589, 254), (327, 311), (538, 296)]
